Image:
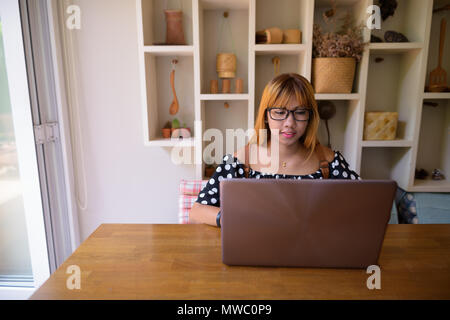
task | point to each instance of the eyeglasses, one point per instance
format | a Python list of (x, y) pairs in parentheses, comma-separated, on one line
[(280, 114)]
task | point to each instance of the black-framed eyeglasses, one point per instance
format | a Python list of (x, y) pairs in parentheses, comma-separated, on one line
[(280, 114)]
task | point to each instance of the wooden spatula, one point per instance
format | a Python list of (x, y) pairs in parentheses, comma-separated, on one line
[(438, 77), (174, 106)]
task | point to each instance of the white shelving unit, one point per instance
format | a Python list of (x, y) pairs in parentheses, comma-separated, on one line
[(395, 84)]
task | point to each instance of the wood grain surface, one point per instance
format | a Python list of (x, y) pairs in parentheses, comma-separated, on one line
[(125, 261)]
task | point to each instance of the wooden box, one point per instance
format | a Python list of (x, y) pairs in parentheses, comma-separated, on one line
[(380, 125)]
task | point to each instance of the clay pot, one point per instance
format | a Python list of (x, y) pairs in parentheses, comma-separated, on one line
[(239, 85), (226, 84), (214, 87), (166, 132), (174, 27), (226, 65)]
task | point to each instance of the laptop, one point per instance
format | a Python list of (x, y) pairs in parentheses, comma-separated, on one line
[(304, 223)]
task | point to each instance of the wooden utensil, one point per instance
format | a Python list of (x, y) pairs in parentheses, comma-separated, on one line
[(174, 106), (438, 77)]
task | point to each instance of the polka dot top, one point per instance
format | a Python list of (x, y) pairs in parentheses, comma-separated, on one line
[(232, 168)]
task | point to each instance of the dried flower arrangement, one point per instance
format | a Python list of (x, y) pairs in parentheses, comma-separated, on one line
[(346, 42)]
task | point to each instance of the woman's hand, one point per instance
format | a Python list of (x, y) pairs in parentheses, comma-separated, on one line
[(202, 213)]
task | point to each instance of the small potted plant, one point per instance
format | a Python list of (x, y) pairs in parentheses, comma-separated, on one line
[(335, 55), (167, 130)]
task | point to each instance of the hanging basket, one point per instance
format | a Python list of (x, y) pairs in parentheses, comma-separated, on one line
[(226, 65), (333, 75)]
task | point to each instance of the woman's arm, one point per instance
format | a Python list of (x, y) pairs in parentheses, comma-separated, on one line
[(202, 213)]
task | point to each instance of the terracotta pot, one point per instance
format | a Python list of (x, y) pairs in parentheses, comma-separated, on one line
[(226, 65), (214, 87), (239, 88), (166, 132), (174, 27), (333, 75), (226, 85)]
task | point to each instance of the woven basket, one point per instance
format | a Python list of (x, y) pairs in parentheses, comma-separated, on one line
[(226, 65), (333, 75), (380, 125)]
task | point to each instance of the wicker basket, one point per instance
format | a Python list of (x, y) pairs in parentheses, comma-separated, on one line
[(226, 65), (333, 75), (380, 125)]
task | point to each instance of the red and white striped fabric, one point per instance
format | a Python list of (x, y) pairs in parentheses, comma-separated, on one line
[(189, 190)]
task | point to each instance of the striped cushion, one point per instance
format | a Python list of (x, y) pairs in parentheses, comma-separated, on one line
[(189, 190)]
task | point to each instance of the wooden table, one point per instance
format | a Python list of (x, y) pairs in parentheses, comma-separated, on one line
[(121, 261)]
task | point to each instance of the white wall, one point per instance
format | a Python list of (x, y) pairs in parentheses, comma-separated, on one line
[(126, 182)]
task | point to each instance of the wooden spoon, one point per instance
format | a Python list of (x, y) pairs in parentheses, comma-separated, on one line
[(438, 76), (174, 106)]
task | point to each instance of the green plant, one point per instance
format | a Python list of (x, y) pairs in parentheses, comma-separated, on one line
[(168, 125), (175, 123)]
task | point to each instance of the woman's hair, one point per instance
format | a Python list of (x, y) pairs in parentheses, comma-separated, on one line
[(277, 93)]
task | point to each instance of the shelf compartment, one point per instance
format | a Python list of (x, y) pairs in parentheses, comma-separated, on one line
[(342, 128), (159, 96), (434, 143), (210, 19), (386, 163), (215, 116), (283, 14), (408, 19), (154, 21), (357, 10), (433, 48), (392, 86), (170, 50)]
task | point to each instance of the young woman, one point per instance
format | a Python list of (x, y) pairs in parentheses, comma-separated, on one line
[(289, 112)]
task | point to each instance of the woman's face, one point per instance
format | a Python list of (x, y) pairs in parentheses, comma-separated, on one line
[(290, 130)]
